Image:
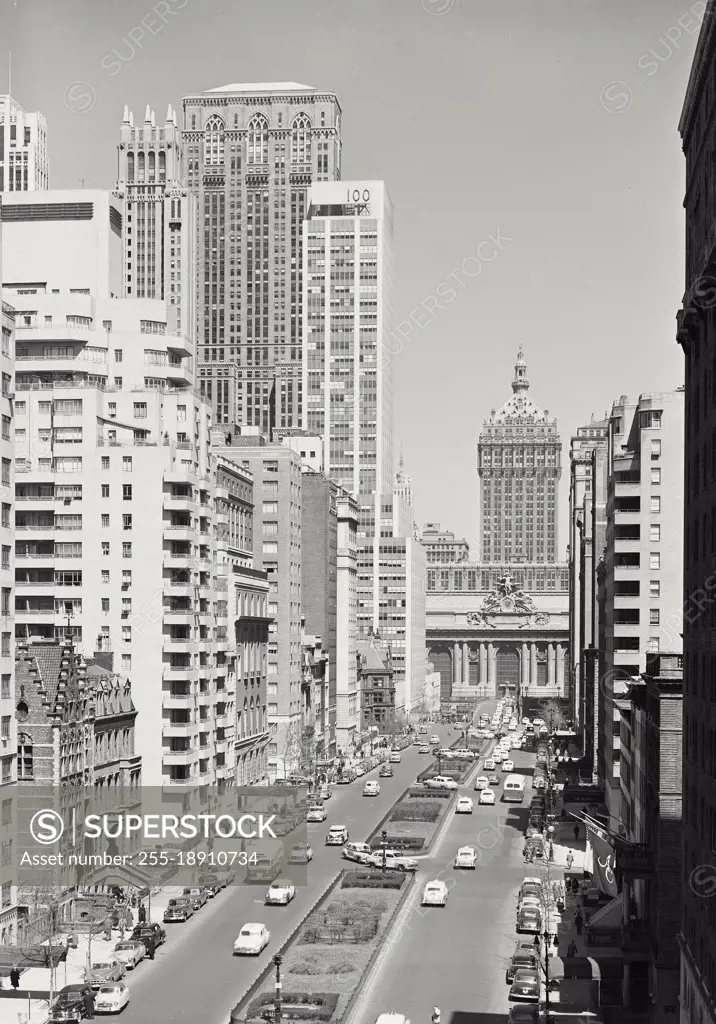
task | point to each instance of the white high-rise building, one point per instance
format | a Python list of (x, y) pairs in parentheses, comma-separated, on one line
[(347, 303), (8, 706), (24, 164), (130, 531), (159, 217)]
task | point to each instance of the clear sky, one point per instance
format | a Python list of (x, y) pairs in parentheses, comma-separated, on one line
[(553, 122)]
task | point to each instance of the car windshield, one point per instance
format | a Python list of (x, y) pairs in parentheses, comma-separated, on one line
[(110, 990), (249, 932), (102, 967), (122, 946)]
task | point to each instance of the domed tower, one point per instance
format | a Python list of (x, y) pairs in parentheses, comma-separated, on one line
[(519, 455)]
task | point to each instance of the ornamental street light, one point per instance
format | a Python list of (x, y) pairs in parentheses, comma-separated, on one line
[(278, 959), (384, 845)]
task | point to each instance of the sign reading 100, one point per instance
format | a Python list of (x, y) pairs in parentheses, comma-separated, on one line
[(356, 196)]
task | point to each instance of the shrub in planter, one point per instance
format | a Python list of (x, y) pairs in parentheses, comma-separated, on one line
[(441, 794), (400, 843), (379, 880), (423, 811), (297, 1005)]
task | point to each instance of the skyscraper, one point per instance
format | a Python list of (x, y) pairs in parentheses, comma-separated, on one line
[(519, 462), (159, 218), (252, 152), (697, 337), (24, 164), (347, 280)]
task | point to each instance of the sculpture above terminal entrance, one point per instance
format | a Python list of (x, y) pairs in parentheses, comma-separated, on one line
[(507, 599)]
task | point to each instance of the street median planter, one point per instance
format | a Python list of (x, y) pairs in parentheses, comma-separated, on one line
[(393, 842), (442, 794), (326, 957)]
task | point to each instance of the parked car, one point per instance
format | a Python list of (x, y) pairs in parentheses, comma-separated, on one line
[(337, 835), (301, 853), (525, 955), (280, 893), (197, 895), (529, 920), (435, 894), (105, 971), (112, 998), (524, 1013), (358, 852), (129, 953), (70, 1003), (466, 857), (149, 933), (212, 884), (325, 793), (252, 940), (179, 909), (526, 986)]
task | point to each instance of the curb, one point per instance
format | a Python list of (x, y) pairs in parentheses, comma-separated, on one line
[(375, 962), (268, 971)]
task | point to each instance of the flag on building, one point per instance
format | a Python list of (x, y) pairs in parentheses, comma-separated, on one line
[(603, 862)]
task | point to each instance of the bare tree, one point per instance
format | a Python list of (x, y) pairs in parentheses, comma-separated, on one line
[(553, 714)]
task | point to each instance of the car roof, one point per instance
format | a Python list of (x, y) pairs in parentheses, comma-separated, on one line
[(466, 849), (435, 885), (251, 926), (336, 828)]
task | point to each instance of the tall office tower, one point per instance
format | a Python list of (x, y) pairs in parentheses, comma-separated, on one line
[(391, 590), (581, 494), (697, 336), (347, 692), (640, 584), (403, 483), (251, 155), (8, 707), (319, 580), (347, 302), (159, 217), (442, 547), (128, 526), (24, 164), (519, 462), (278, 551)]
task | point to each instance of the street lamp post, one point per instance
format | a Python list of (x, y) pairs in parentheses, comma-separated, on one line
[(384, 845), (547, 940), (277, 989)]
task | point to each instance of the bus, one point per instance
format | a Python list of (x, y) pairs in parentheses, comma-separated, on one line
[(513, 791)]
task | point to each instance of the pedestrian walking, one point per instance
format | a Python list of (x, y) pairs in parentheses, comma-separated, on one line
[(578, 922), (88, 1001), (572, 948), (570, 860), (576, 833), (15, 977), (142, 915)]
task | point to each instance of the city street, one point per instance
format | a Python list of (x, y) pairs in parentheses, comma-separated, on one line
[(195, 977), (455, 957)]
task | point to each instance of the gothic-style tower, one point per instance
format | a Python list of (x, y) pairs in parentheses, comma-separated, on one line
[(519, 462)]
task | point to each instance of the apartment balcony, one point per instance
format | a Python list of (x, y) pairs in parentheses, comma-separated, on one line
[(174, 560), (179, 588), (35, 531), (39, 502), (178, 702), (179, 533), (223, 721), (35, 614), (171, 645), (40, 588), (179, 757), (178, 674), (627, 545), (221, 493), (224, 746), (178, 616), (627, 518), (626, 601), (626, 572), (178, 503), (622, 658), (179, 474), (176, 730), (621, 629)]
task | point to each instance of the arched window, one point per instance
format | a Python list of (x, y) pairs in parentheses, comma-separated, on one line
[(152, 166), (258, 140), (162, 166), (214, 141), (140, 174), (301, 139), (130, 166)]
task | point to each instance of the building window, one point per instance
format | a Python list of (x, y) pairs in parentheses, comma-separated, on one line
[(656, 448), (270, 548), (105, 604), (104, 520), (126, 492), (653, 616), (5, 686), (258, 140), (651, 418), (104, 575), (126, 663), (127, 522), (140, 410), (655, 560), (105, 547), (105, 490), (655, 532), (25, 759), (118, 355), (656, 476), (127, 634), (105, 463), (5, 514), (5, 648), (126, 463), (214, 141), (126, 549), (654, 588), (301, 139), (655, 504)]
